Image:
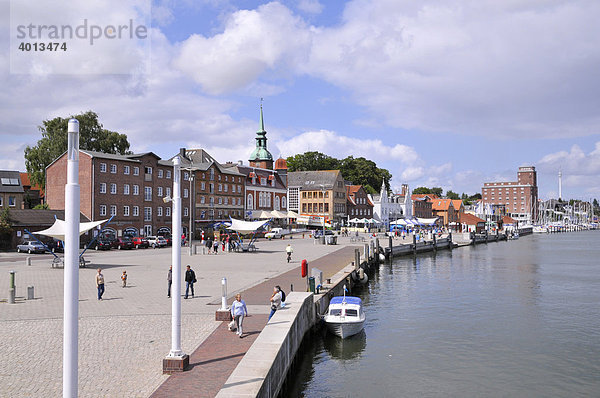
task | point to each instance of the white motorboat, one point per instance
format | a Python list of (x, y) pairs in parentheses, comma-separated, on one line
[(513, 236), (345, 316)]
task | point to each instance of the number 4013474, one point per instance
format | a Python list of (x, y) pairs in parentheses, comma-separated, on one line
[(43, 46)]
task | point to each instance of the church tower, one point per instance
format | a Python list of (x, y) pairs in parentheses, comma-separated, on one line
[(261, 157)]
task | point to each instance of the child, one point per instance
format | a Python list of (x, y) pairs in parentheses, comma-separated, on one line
[(124, 278)]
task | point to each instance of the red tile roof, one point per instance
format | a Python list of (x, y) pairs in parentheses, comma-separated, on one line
[(26, 182), (469, 219), (441, 204), (417, 196), (457, 203)]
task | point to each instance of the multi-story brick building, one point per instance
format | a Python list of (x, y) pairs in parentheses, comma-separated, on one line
[(519, 198), (129, 188), (321, 194), (218, 190), (11, 190), (422, 207), (358, 203), (444, 209)]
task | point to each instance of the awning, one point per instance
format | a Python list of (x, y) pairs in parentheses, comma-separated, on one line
[(245, 227), (291, 214), (278, 214), (261, 214), (57, 230), (427, 221)]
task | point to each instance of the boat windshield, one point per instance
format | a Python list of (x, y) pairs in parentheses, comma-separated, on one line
[(335, 311), (350, 312)]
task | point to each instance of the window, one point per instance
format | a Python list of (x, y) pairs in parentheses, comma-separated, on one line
[(102, 187), (168, 191), (12, 202), (225, 187), (219, 177), (211, 188), (147, 194), (202, 199), (168, 211), (186, 175), (126, 211), (160, 173), (113, 169), (226, 178), (168, 173), (250, 205), (239, 189), (102, 167), (136, 171), (212, 174), (283, 203), (263, 181), (126, 170), (159, 211), (136, 211), (147, 170), (1, 201), (185, 211), (126, 189), (185, 192), (113, 189), (147, 213), (113, 210), (303, 207), (220, 200), (159, 193), (136, 189), (276, 202), (220, 188), (102, 210), (202, 186)]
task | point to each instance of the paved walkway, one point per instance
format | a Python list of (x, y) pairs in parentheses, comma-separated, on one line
[(123, 339)]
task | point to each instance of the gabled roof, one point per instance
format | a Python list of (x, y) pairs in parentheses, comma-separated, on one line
[(470, 219), (249, 171), (112, 156), (351, 190), (31, 218), (10, 182), (457, 203), (508, 220), (312, 180), (441, 204), (27, 183)]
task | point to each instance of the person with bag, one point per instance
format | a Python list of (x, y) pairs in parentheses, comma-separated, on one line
[(238, 310), (275, 301), (190, 279)]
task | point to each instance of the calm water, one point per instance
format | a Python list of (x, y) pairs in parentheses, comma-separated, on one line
[(508, 319)]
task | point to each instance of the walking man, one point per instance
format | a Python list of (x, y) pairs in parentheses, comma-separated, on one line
[(169, 280), (238, 310), (190, 279), (100, 283), (275, 301)]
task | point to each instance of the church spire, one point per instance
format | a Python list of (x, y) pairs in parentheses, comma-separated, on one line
[(261, 157)]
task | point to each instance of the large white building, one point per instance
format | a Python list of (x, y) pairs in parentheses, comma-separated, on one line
[(388, 208)]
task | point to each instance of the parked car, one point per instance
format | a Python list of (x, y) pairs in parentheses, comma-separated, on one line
[(275, 233), (157, 241), (138, 242), (31, 246), (56, 246), (102, 244), (319, 232), (167, 238), (123, 243)]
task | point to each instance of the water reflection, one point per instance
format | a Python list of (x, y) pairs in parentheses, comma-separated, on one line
[(345, 349)]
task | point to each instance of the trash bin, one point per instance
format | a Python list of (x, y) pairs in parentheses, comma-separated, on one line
[(30, 293), (311, 283)]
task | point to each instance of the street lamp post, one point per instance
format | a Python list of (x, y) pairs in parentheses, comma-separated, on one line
[(71, 272), (323, 188), (176, 360), (191, 212)]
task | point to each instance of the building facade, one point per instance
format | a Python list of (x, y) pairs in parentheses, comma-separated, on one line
[(519, 198), (321, 196), (358, 203), (389, 208), (11, 190), (444, 209), (422, 206)]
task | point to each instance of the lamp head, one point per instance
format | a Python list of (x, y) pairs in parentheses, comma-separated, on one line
[(167, 199)]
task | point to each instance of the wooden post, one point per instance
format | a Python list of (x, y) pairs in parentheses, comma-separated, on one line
[(414, 243), (450, 243), (434, 242), (356, 259)]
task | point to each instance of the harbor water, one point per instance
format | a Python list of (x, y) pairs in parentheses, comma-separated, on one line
[(506, 319)]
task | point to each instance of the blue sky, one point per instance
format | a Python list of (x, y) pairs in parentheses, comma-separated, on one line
[(441, 93)]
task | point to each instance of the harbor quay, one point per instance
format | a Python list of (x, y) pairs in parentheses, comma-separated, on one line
[(124, 337)]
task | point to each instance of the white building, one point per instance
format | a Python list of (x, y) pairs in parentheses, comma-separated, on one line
[(388, 208)]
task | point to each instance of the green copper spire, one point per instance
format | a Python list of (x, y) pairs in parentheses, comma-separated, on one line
[(261, 152)]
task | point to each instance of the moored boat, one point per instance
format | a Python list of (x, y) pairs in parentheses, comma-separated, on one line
[(345, 316)]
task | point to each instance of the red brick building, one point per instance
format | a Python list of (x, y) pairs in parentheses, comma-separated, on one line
[(422, 205), (358, 204), (519, 198), (444, 209)]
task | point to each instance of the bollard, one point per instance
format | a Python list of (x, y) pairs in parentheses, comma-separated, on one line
[(414, 243), (434, 243), (291, 287), (224, 293), (30, 293), (356, 258), (28, 261)]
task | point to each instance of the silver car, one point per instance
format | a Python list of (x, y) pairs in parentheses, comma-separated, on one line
[(31, 246)]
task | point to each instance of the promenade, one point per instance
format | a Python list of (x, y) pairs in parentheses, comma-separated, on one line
[(123, 339)]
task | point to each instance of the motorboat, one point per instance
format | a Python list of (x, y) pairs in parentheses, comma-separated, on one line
[(513, 236), (345, 316)]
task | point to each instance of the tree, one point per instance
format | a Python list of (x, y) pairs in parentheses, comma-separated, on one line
[(5, 229), (41, 206), (311, 161), (92, 136), (365, 172), (421, 191), (595, 203), (437, 191), (452, 195)]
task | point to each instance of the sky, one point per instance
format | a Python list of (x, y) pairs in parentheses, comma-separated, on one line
[(441, 93)]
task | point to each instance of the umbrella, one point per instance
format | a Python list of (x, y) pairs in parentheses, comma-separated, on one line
[(278, 214), (261, 214), (291, 214), (354, 221)]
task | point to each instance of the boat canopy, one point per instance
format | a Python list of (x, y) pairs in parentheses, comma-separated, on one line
[(348, 299)]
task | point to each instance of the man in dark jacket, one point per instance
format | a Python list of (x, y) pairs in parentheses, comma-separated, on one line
[(169, 280), (190, 279)]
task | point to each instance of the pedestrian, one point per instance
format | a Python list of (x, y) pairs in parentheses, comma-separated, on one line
[(216, 246), (100, 283), (124, 278), (169, 280), (238, 310), (275, 301), (190, 279), (208, 245), (223, 243)]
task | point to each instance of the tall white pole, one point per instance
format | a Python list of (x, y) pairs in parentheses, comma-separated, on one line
[(176, 261), (559, 184), (71, 261)]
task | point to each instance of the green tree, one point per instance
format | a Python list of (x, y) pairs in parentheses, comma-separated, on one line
[(5, 229), (421, 191), (365, 172), (452, 195), (437, 191), (42, 206), (595, 203), (92, 136), (311, 161)]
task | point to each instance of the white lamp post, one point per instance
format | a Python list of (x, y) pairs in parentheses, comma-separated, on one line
[(176, 360), (71, 271)]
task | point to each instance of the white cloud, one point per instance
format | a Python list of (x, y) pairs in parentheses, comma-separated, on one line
[(310, 6)]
